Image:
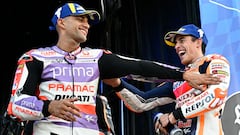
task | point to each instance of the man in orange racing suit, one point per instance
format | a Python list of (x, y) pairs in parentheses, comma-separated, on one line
[(196, 112)]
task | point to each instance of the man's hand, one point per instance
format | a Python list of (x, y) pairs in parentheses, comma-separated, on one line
[(159, 129), (198, 81), (163, 122), (64, 109)]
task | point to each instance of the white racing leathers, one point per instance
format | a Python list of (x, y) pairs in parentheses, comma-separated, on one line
[(201, 109), (62, 76)]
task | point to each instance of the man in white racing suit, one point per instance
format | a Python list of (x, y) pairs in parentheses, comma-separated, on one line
[(56, 86), (196, 112)]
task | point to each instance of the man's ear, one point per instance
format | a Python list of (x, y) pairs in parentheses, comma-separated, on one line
[(199, 43), (60, 22)]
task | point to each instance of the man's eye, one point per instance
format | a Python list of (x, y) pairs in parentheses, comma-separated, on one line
[(181, 41)]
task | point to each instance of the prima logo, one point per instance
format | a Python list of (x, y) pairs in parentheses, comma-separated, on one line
[(75, 71)]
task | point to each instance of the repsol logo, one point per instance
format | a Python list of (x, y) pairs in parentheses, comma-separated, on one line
[(75, 71), (82, 98), (200, 103)]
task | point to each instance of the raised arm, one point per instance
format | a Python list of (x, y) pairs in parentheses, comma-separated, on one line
[(114, 66)]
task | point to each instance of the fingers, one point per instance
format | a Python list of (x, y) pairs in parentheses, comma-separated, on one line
[(70, 104), (210, 79), (194, 85), (159, 129), (203, 80), (68, 116), (164, 120), (70, 109), (64, 109), (164, 131), (161, 125)]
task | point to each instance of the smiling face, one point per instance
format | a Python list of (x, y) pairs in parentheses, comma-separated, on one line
[(76, 27), (188, 48), (72, 31)]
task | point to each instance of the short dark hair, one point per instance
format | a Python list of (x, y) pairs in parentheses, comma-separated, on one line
[(203, 44)]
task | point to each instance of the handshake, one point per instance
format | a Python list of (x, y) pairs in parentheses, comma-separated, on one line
[(164, 127)]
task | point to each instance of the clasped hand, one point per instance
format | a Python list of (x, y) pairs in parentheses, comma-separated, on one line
[(64, 109), (162, 122)]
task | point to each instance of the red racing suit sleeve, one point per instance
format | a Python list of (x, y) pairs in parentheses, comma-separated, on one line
[(214, 95)]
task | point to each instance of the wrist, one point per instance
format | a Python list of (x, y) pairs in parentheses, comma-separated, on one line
[(177, 114), (45, 109), (185, 76)]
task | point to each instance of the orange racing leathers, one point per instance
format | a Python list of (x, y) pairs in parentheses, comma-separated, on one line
[(198, 112)]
